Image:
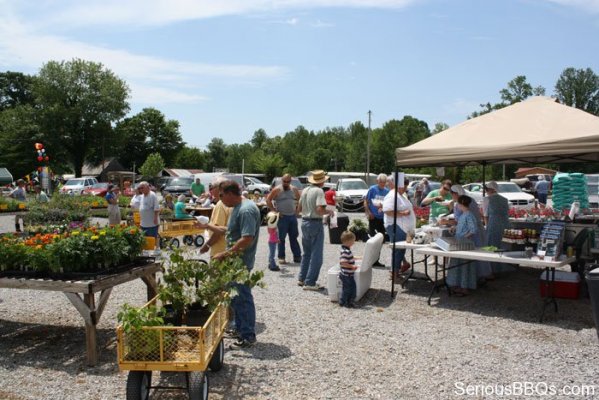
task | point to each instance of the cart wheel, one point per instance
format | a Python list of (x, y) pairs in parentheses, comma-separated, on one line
[(218, 358), (199, 241), (163, 242), (138, 385), (174, 244), (197, 385), (188, 240)]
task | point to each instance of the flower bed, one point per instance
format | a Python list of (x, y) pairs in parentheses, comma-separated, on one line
[(11, 205), (84, 250), (535, 214)]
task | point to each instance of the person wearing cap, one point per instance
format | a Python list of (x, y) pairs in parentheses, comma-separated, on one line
[(112, 198), (496, 217), (373, 202), (216, 243), (19, 194), (542, 189), (422, 190), (312, 207), (272, 220), (283, 199), (438, 199)]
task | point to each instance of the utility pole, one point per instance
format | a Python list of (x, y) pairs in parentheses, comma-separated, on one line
[(368, 150)]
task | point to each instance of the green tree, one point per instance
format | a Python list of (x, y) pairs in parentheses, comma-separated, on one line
[(517, 89), (78, 101), (190, 158), (579, 88), (259, 138), (148, 132), (16, 89), (217, 154), (18, 133), (270, 164), (357, 137), (152, 166), (392, 135), (239, 158), (439, 127)]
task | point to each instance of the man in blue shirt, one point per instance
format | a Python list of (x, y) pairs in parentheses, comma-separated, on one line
[(242, 231), (373, 203), (542, 189)]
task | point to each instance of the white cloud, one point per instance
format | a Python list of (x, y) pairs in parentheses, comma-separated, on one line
[(70, 13), (588, 5), (20, 48)]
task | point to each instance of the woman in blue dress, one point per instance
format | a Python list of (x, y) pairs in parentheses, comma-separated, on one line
[(483, 268), (463, 278), (495, 212)]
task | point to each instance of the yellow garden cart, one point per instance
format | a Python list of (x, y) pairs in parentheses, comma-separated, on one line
[(170, 231), (188, 349)]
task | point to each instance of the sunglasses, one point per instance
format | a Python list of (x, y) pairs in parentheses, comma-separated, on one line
[(286, 181)]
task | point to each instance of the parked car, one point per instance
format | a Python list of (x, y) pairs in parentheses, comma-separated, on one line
[(255, 185), (509, 190), (98, 189), (177, 186), (350, 194), (163, 181), (294, 182), (75, 186)]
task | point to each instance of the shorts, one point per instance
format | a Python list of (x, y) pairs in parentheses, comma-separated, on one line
[(151, 231)]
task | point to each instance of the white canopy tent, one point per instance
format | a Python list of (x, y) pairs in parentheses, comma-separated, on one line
[(538, 130)]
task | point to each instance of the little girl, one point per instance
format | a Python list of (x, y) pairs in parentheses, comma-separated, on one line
[(272, 220), (462, 278)]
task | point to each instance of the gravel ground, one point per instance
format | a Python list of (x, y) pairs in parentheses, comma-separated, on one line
[(310, 348)]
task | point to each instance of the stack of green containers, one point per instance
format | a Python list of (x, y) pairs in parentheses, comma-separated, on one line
[(568, 188)]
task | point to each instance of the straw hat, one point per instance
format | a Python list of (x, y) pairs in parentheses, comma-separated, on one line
[(272, 219), (318, 176)]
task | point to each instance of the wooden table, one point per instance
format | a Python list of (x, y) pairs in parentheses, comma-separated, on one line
[(82, 294)]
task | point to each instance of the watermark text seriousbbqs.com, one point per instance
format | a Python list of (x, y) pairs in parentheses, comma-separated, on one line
[(524, 389)]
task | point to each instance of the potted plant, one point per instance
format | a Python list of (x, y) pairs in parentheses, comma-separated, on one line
[(142, 344), (359, 228)]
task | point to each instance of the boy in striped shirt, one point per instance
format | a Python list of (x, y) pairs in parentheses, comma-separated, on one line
[(347, 265)]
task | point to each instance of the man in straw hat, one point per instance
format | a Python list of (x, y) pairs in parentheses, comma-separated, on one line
[(312, 206)]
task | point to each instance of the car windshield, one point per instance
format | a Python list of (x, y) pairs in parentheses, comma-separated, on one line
[(180, 182), (255, 181), (102, 185), (75, 182), (508, 188), (353, 185)]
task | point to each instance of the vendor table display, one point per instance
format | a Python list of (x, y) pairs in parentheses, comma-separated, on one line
[(80, 262)]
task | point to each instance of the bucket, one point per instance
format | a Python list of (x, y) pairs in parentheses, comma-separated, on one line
[(150, 243), (136, 217)]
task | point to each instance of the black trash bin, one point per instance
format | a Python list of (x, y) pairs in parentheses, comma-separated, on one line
[(592, 278), (342, 224)]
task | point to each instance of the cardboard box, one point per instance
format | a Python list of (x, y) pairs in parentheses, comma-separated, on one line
[(567, 285)]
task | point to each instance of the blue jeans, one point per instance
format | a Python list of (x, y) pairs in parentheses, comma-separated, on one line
[(313, 244), (542, 198), (348, 294), (398, 254), (272, 250), (245, 312), (288, 225)]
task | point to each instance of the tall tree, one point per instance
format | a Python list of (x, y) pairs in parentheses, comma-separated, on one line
[(259, 138), (217, 154), (357, 135), (149, 132), (517, 89), (190, 158), (579, 88), (18, 133), (152, 166), (16, 89), (78, 101)]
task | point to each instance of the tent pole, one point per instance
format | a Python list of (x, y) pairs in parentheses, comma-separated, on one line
[(484, 163), (396, 176)]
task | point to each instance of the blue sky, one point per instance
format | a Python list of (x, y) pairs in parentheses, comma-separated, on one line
[(225, 68)]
